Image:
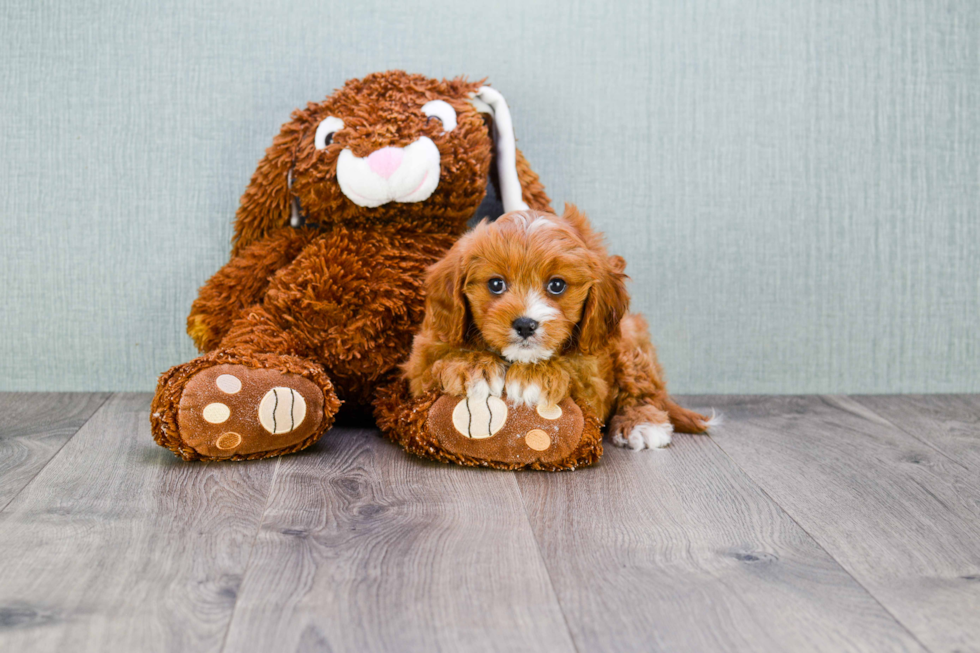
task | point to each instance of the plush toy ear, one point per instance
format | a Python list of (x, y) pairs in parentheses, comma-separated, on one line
[(267, 203), (531, 187), (519, 186), (608, 300), (446, 312)]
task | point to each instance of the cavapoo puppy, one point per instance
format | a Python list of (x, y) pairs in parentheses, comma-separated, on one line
[(533, 307)]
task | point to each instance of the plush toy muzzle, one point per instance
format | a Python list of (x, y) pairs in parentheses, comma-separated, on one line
[(391, 174)]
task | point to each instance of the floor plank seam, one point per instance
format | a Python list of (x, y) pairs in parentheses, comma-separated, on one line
[(820, 545), (909, 433), (544, 565), (251, 551), (95, 412)]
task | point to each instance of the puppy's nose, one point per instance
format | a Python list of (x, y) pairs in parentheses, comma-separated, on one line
[(524, 326), (385, 161)]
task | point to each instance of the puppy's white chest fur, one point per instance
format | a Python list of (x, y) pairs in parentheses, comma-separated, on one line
[(526, 353)]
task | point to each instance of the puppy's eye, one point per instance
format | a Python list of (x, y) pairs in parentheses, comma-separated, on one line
[(325, 131), (443, 111), (497, 286), (556, 286)]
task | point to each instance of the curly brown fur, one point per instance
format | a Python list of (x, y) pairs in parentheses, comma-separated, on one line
[(343, 294), (583, 343), (241, 283)]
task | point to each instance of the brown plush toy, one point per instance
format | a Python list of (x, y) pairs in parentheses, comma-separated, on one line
[(357, 196)]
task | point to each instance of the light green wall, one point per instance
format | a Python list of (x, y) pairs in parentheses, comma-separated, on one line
[(795, 185)]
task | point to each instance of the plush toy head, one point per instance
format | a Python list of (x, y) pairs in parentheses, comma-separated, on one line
[(389, 149)]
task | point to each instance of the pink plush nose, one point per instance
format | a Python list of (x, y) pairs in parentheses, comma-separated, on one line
[(385, 161)]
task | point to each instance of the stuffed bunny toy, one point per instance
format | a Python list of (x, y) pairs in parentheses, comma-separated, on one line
[(357, 196)]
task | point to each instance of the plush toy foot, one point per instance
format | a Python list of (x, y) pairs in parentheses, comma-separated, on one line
[(490, 433), (233, 406)]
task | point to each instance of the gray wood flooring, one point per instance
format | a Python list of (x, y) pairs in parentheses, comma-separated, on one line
[(803, 524)]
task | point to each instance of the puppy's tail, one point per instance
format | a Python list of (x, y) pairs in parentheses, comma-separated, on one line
[(687, 421)]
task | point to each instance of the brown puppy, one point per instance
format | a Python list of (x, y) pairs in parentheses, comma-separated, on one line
[(533, 307)]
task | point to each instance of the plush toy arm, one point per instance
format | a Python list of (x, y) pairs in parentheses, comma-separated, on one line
[(241, 283)]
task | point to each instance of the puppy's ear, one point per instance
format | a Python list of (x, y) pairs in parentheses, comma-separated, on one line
[(608, 301), (605, 307), (519, 186), (580, 223), (446, 311), (267, 202)]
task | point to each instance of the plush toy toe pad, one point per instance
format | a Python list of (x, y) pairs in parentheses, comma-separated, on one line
[(479, 419), (235, 410)]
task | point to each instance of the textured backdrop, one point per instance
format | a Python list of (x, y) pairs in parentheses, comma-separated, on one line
[(795, 185)]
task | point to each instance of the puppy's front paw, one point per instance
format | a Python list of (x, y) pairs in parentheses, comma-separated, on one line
[(485, 382), (536, 385), (475, 377), (520, 392), (644, 436)]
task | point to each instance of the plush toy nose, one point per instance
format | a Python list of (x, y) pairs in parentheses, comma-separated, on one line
[(385, 161), (524, 326)]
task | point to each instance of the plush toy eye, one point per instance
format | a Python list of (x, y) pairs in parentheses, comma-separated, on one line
[(497, 286), (556, 286), (325, 131), (443, 111)]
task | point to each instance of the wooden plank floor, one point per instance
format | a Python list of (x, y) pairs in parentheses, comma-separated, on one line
[(803, 524)]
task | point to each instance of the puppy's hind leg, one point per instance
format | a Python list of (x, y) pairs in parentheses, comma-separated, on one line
[(688, 421), (646, 416), (641, 427)]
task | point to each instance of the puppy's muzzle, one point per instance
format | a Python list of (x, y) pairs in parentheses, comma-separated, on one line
[(524, 326)]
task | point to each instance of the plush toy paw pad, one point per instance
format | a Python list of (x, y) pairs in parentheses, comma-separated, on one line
[(234, 410), (282, 410), (549, 412), (216, 413), (496, 431), (537, 439), (228, 441), (228, 383), (479, 419)]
